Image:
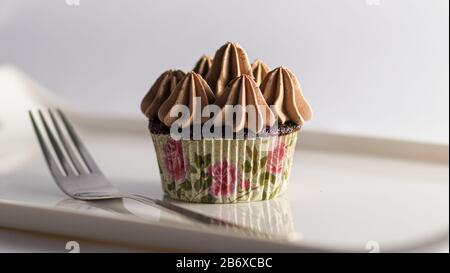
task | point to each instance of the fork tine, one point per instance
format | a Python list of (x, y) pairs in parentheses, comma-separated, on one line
[(68, 148), (90, 163), (54, 169), (62, 159)]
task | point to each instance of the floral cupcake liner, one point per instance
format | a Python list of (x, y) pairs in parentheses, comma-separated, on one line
[(224, 170)]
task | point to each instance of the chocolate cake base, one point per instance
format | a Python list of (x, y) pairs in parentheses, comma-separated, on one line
[(157, 127)]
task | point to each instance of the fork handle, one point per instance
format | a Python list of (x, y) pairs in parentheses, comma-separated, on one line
[(198, 217)]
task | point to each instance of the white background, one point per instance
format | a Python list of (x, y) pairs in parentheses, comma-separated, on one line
[(367, 69)]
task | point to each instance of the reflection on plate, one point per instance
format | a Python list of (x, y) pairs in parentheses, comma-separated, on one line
[(271, 218), (114, 206), (264, 219)]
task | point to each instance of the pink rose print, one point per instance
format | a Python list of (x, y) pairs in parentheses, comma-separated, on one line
[(245, 185), (275, 159), (224, 176), (174, 161)]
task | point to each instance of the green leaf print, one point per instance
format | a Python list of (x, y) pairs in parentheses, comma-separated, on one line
[(264, 178), (255, 166), (208, 199), (247, 166), (275, 192), (192, 169), (197, 160), (187, 185), (208, 180), (272, 178), (207, 160), (198, 185), (262, 161), (264, 195), (179, 192), (249, 151)]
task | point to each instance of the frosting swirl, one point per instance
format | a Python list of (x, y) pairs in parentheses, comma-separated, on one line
[(192, 85), (160, 91), (230, 61), (281, 89), (244, 92), (259, 70), (202, 66)]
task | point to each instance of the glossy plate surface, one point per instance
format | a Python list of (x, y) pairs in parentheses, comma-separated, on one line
[(345, 193)]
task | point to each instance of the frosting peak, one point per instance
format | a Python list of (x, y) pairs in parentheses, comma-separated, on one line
[(281, 88), (243, 91), (202, 66), (160, 91), (259, 70), (191, 86), (230, 61)]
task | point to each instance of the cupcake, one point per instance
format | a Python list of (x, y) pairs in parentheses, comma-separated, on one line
[(226, 131)]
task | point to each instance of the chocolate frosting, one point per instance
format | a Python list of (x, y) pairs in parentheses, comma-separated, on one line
[(259, 70), (160, 91), (203, 65), (243, 91), (192, 85), (229, 79), (229, 62), (281, 89)]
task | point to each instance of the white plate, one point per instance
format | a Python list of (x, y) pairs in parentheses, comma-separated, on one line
[(347, 193)]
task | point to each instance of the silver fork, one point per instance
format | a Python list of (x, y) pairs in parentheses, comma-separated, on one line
[(88, 182)]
